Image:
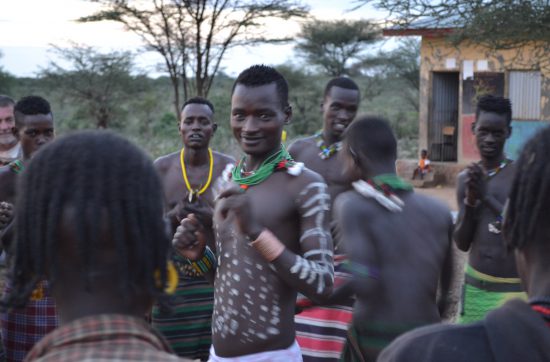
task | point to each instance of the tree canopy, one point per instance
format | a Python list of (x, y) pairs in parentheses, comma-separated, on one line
[(193, 36), (335, 46), (98, 82), (498, 24)]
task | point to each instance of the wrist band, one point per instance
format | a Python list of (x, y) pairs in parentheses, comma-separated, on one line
[(206, 263), (478, 202), (364, 271), (268, 245)]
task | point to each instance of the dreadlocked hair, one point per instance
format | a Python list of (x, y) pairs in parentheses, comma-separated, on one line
[(527, 213), (96, 174)]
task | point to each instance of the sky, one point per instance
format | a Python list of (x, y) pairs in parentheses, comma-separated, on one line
[(30, 27)]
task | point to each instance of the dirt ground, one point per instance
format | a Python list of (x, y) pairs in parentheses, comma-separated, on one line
[(447, 195)]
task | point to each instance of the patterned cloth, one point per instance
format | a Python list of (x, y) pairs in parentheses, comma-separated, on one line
[(321, 331), (365, 342), (290, 354), (22, 328), (186, 323), (105, 337), (483, 293)]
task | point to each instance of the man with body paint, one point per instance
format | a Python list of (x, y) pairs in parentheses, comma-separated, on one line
[(271, 231)]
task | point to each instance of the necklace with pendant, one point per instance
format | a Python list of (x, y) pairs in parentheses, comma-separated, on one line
[(193, 194), (495, 227)]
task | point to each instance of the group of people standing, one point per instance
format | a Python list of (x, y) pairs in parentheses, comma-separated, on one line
[(318, 253)]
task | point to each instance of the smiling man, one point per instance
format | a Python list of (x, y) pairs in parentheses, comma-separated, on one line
[(271, 230), (321, 331), (491, 275), (23, 327), (318, 152), (10, 148), (187, 177)]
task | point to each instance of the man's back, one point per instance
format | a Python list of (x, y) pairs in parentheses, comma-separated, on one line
[(409, 248)]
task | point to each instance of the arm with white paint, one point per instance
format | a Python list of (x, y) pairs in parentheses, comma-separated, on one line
[(312, 271)]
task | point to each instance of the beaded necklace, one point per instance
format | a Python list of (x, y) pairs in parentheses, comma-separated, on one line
[(505, 162), (326, 151), (196, 192), (388, 183), (17, 166), (495, 227), (382, 189), (280, 160)]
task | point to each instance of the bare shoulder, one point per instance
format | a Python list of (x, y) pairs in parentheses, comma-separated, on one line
[(431, 206), (163, 163), (350, 203), (223, 158), (300, 144)]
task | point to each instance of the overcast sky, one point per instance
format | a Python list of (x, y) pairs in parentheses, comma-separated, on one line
[(28, 27)]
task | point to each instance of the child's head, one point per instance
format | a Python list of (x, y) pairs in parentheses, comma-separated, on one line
[(424, 154)]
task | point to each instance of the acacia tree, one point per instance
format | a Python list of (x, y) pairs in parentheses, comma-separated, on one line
[(98, 82), (496, 24), (194, 36), (404, 63), (334, 45)]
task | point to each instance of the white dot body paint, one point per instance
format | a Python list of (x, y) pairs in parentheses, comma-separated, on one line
[(272, 330)]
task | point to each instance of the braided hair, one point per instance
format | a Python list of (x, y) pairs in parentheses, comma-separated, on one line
[(95, 174), (527, 213)]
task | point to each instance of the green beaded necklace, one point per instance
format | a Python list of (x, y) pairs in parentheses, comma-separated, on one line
[(277, 161), (392, 181)]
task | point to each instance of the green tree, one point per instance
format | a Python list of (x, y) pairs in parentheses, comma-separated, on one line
[(496, 24), (6, 80), (403, 63), (193, 36), (305, 96), (334, 46), (99, 82)]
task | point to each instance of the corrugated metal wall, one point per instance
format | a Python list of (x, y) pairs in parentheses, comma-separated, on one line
[(524, 91), (443, 122)]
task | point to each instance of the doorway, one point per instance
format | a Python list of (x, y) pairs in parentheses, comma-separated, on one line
[(443, 117)]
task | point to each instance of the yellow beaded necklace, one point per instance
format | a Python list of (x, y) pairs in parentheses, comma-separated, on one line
[(184, 172)]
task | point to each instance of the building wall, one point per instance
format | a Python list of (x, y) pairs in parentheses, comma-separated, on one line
[(490, 74)]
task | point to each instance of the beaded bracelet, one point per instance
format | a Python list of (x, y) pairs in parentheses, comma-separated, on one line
[(206, 263)]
